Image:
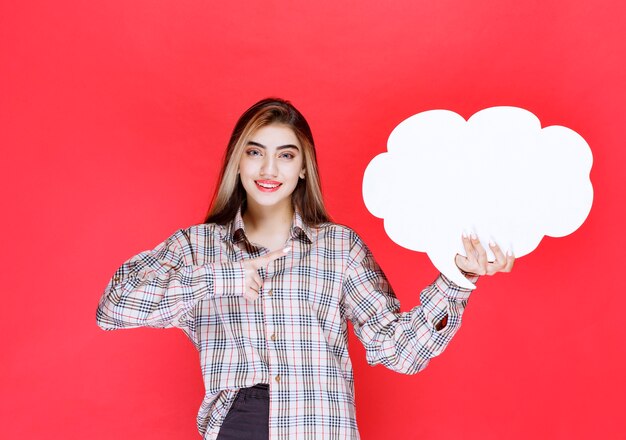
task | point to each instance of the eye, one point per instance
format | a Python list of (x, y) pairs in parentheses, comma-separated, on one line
[(253, 152), (287, 155)]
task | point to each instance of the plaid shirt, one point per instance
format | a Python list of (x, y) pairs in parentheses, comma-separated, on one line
[(294, 336)]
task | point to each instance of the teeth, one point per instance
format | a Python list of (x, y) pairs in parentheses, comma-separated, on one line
[(267, 185)]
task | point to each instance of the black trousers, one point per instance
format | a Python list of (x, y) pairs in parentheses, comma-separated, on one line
[(248, 418)]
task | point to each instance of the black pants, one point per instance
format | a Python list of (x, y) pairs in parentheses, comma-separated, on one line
[(248, 418)]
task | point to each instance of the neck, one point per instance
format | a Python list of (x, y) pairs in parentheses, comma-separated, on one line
[(268, 223)]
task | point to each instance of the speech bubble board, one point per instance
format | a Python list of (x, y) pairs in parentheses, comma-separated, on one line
[(498, 175)]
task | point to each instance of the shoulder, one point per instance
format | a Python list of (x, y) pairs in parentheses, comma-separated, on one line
[(201, 235), (207, 230), (339, 232)]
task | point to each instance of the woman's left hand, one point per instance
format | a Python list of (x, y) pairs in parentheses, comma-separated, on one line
[(476, 260)]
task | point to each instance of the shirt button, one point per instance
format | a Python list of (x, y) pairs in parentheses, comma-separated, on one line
[(277, 378), (116, 279), (270, 292), (273, 337)]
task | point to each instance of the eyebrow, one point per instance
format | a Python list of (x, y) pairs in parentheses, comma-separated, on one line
[(282, 147)]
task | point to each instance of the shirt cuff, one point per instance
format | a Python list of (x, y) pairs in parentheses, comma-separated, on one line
[(451, 290), (228, 278)]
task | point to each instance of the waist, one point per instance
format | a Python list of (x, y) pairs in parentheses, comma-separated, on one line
[(259, 391)]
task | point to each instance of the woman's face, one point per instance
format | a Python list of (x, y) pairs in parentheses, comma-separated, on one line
[(270, 166)]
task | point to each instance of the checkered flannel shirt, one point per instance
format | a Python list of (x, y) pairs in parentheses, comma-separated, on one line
[(294, 336)]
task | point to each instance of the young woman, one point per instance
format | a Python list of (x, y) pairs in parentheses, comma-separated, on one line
[(265, 287)]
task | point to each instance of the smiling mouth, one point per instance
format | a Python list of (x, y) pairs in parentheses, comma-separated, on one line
[(267, 185)]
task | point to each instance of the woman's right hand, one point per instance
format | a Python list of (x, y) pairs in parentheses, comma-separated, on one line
[(253, 279)]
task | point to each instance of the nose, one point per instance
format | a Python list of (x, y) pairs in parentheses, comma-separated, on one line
[(269, 168)]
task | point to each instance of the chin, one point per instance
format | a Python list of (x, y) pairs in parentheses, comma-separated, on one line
[(268, 203), (275, 200)]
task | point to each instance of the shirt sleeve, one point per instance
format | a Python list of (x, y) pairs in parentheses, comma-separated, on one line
[(158, 289), (401, 341)]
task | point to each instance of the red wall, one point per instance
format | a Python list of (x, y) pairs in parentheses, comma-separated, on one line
[(114, 116)]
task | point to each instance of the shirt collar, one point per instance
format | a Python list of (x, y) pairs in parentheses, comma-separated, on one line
[(299, 230)]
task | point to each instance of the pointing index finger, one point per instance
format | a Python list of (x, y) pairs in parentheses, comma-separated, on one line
[(275, 255)]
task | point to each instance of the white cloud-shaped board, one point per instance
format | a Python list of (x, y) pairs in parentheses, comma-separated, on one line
[(498, 174)]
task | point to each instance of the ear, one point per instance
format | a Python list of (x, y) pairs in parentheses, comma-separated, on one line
[(302, 174)]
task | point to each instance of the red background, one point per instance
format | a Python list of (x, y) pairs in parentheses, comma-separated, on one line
[(114, 116)]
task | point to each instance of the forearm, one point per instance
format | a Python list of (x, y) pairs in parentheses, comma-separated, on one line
[(159, 301), (156, 288), (405, 342)]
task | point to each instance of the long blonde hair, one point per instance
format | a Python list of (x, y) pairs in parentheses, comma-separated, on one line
[(230, 194)]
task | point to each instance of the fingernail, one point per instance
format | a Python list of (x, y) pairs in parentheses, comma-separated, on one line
[(492, 244), (509, 253), (474, 236), (464, 233), (286, 249)]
